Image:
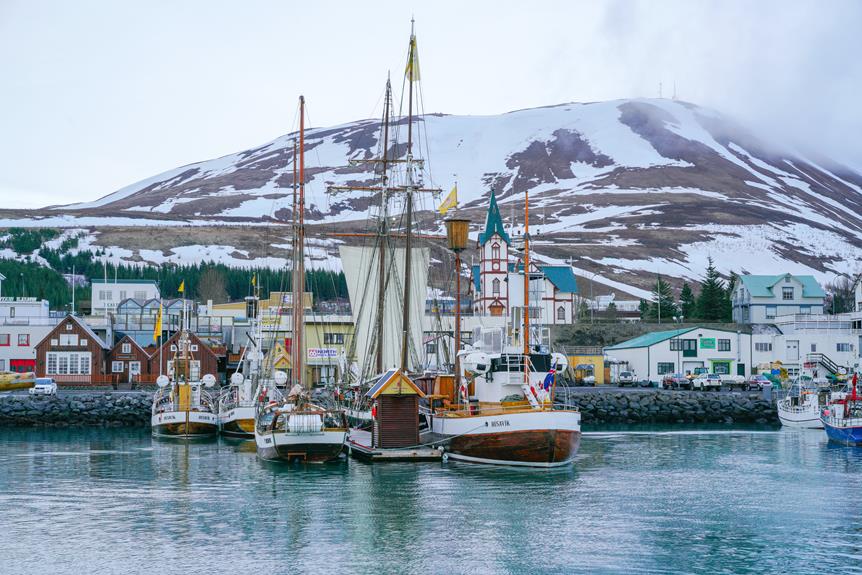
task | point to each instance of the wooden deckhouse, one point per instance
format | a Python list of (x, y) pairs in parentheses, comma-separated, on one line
[(396, 410)]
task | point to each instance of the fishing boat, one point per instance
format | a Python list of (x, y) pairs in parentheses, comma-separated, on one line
[(237, 403), (290, 426), (801, 407), (842, 418), (182, 405), (12, 380)]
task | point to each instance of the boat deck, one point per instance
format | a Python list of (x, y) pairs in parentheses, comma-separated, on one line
[(358, 445)]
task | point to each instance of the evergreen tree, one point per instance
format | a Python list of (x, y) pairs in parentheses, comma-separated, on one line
[(643, 307), (583, 311), (727, 300), (711, 300), (687, 303), (662, 307), (611, 312)]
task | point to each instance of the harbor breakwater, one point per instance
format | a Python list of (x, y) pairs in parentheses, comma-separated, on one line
[(664, 406), (77, 410), (596, 405)]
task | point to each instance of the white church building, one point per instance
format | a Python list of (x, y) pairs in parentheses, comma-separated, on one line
[(498, 280)]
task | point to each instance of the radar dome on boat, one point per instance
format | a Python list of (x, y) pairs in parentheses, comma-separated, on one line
[(162, 381), (237, 378), (559, 361), (209, 380), (280, 377)]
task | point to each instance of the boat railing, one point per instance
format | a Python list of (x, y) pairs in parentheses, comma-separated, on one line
[(496, 410)]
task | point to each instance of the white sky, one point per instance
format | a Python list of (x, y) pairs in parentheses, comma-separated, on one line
[(97, 95)]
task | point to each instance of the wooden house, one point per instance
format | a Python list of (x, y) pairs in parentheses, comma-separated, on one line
[(128, 361), (72, 353), (205, 360), (396, 410)]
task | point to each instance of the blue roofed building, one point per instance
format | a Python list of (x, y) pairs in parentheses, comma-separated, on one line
[(762, 298)]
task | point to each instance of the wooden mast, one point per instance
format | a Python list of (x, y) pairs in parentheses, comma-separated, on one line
[(381, 239), (526, 335), (405, 320), (299, 257)]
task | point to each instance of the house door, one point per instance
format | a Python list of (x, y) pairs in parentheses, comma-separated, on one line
[(792, 350), (134, 368), (740, 369)]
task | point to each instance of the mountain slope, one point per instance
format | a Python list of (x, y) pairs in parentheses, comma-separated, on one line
[(624, 189)]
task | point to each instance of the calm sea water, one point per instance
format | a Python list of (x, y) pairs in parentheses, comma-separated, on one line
[(118, 501)]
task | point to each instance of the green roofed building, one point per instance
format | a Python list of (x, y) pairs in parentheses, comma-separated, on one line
[(762, 298), (683, 351)]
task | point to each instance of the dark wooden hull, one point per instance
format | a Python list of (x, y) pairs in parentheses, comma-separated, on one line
[(304, 452), (541, 448), (183, 429)]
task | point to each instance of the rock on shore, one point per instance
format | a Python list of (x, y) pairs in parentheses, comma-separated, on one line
[(76, 410), (661, 406)]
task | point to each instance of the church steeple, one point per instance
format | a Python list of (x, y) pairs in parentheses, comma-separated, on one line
[(494, 223)]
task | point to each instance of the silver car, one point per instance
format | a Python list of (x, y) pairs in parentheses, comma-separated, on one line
[(44, 386)]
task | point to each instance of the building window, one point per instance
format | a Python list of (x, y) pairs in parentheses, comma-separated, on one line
[(665, 367), (4, 339), (126, 348), (842, 347), (140, 295), (116, 367), (675, 345), (806, 309), (2, 365), (23, 339), (193, 347), (68, 339), (762, 347), (134, 368), (333, 338), (122, 295), (787, 293), (495, 287), (771, 311), (813, 348), (11, 312), (561, 313), (69, 326), (495, 251), (724, 345)]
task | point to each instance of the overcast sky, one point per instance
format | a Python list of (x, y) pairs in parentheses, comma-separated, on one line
[(96, 95)]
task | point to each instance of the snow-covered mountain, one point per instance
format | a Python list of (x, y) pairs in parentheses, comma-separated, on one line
[(624, 189)]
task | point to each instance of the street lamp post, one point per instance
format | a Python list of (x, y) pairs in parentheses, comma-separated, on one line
[(457, 230)]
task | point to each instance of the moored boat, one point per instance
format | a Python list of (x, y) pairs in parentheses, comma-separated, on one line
[(237, 404), (801, 407), (293, 427), (842, 418)]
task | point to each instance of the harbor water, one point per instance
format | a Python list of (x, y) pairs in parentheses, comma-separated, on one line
[(636, 501)]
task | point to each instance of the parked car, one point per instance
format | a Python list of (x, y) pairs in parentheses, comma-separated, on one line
[(734, 382), (588, 381), (758, 382), (627, 378), (707, 382), (675, 381), (44, 386)]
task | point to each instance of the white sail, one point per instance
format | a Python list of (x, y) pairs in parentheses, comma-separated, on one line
[(361, 267)]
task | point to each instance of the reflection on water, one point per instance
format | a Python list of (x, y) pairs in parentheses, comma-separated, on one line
[(637, 501)]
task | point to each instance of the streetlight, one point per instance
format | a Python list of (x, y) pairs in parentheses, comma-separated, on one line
[(457, 231)]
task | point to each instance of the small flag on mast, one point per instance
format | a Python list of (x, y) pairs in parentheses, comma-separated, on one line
[(254, 280), (412, 70), (157, 330), (450, 202), (182, 288)]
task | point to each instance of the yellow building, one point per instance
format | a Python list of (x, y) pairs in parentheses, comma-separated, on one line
[(587, 360)]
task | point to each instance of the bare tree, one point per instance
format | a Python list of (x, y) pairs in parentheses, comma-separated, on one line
[(212, 286)]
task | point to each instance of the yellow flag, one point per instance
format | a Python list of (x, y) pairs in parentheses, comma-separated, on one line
[(450, 202), (157, 330), (182, 287), (412, 70), (254, 280)]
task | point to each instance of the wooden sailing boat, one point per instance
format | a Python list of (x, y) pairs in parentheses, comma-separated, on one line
[(292, 427), (181, 406)]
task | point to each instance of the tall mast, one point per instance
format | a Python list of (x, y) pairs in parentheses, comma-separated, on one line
[(526, 336), (299, 257), (381, 239), (412, 72)]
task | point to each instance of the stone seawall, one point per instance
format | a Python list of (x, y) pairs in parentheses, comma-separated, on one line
[(596, 405), (661, 406), (77, 409)]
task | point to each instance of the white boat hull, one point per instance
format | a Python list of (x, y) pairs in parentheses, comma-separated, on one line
[(237, 421), (804, 417), (526, 438), (309, 447), (184, 424)]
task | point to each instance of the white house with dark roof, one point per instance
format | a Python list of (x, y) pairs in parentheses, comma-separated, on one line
[(498, 280), (762, 298)]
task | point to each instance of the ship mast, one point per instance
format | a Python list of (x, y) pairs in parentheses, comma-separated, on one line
[(412, 72), (298, 279), (526, 335), (381, 239)]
